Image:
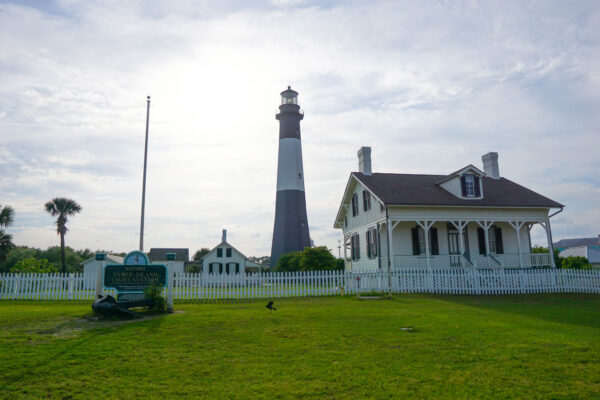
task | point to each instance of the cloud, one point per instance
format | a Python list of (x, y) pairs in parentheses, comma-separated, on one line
[(430, 86)]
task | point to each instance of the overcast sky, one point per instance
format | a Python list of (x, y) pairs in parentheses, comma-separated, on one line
[(429, 85)]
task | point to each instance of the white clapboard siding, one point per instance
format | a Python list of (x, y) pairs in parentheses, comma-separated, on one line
[(197, 286)]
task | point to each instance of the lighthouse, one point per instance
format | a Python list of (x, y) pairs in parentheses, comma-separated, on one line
[(290, 232)]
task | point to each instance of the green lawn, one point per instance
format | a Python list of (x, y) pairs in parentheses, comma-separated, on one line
[(535, 346)]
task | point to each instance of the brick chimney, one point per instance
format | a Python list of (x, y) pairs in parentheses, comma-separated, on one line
[(364, 160), (490, 165)]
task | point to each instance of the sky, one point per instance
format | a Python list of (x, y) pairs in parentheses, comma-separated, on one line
[(431, 86)]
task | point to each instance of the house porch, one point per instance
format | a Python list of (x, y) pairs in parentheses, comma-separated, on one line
[(462, 243)]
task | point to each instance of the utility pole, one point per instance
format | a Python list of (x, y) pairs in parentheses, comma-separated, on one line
[(144, 184)]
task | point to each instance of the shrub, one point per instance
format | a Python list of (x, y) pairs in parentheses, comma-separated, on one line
[(31, 264), (310, 259), (573, 262), (159, 304)]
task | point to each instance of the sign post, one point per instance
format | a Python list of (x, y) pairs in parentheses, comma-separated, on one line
[(100, 275)]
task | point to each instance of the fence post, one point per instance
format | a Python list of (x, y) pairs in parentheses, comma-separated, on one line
[(17, 284), (70, 287)]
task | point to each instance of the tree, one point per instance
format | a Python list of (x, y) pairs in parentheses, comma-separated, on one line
[(63, 208), (6, 245), (34, 265), (7, 216), (200, 253), (574, 262), (310, 259), (317, 259), (289, 262)]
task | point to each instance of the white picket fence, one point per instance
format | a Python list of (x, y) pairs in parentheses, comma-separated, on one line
[(196, 286)]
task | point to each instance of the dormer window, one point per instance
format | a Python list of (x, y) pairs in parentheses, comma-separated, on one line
[(470, 185)]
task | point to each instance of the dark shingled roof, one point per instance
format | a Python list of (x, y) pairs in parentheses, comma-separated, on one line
[(409, 189), (566, 243), (161, 254)]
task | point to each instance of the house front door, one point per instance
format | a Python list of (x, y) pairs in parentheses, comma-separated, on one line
[(454, 246)]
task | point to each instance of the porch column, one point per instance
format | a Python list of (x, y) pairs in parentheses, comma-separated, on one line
[(518, 225), (426, 225), (390, 253), (546, 225), (346, 237), (485, 225), (345, 253)]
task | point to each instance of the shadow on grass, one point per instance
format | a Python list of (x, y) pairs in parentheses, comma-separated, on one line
[(86, 331), (572, 309)]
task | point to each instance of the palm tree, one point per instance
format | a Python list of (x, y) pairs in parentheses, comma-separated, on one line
[(62, 207), (7, 216)]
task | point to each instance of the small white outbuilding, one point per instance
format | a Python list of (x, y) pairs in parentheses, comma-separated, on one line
[(92, 264)]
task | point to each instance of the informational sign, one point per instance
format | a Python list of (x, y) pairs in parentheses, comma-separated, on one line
[(131, 278)]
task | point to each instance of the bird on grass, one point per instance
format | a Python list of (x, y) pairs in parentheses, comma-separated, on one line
[(270, 306)]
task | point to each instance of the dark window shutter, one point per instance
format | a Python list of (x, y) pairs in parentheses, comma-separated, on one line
[(481, 239), (210, 268), (219, 252), (237, 268), (476, 181), (228, 252), (415, 240), (357, 247), (220, 268), (435, 248), (227, 268), (364, 200), (499, 245), (354, 205), (368, 243), (463, 186)]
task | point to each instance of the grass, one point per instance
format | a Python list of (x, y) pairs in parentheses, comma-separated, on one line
[(535, 346)]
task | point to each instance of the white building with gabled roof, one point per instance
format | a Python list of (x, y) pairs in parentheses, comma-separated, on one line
[(93, 264), (466, 219), (226, 259)]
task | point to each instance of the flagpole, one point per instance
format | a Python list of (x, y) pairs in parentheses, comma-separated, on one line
[(144, 185)]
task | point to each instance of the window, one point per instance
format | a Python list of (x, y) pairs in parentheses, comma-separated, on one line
[(219, 252), (418, 239), (372, 243), (355, 204), (470, 185), (228, 252), (494, 240), (355, 247), (366, 200)]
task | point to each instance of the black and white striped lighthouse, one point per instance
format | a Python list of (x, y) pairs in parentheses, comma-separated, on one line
[(291, 224)]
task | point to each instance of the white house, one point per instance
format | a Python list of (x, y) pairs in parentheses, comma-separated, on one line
[(466, 219), (225, 259), (175, 258), (94, 263)]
